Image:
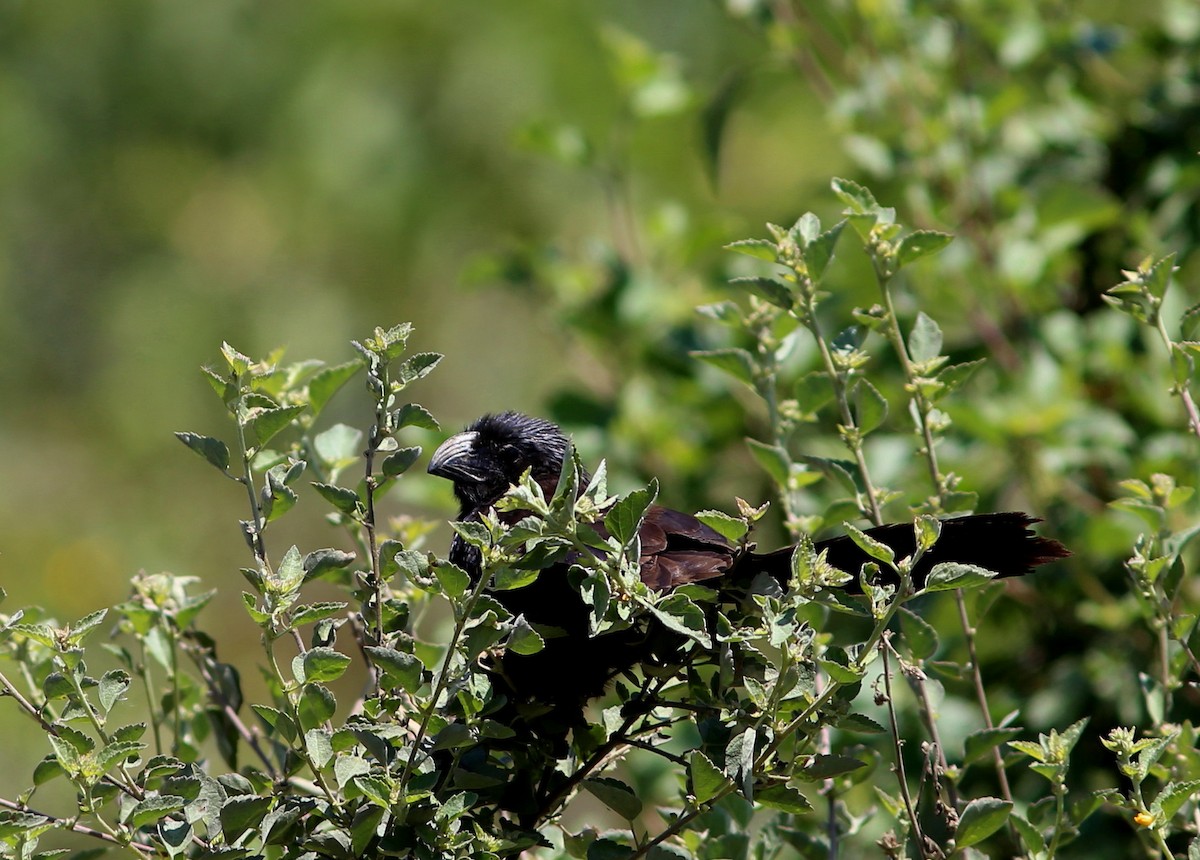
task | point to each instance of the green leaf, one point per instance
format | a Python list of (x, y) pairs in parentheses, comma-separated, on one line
[(760, 248), (524, 639), (872, 547), (85, 625), (310, 613), (860, 724), (339, 446), (706, 778), (625, 517), (870, 407), (213, 450), (826, 766), (616, 795), (397, 667), (1030, 835), (840, 673), (237, 362), (677, 612), (772, 458), (922, 639), (414, 415), (242, 813), (982, 817), (319, 745), (1171, 798), (113, 685), (327, 382), (418, 366), (921, 243), (269, 422), (819, 252), (317, 704), (322, 664), (857, 198), (739, 761), (151, 809), (925, 339), (738, 363), (978, 745), (344, 500), (399, 462), (454, 580), (783, 797), (730, 528), (949, 575), (775, 292)]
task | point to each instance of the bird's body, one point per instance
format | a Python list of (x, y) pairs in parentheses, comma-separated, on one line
[(676, 549)]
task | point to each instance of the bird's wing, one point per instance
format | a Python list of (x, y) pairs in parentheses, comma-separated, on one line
[(677, 549)]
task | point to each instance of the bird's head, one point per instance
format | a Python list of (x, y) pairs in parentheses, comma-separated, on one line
[(489, 456)]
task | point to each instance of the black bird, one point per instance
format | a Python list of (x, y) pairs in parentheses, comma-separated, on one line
[(550, 688)]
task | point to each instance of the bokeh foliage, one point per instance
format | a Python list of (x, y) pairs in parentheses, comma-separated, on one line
[(543, 189)]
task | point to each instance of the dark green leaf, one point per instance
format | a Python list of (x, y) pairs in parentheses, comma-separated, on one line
[(760, 248), (341, 498), (772, 458), (242, 813), (819, 251), (730, 528), (154, 808), (397, 667), (316, 705), (949, 575), (979, 744), (783, 797), (706, 777), (213, 450), (826, 766), (616, 795), (776, 292), (870, 407), (919, 634), (625, 517), (269, 422), (399, 462), (920, 244), (113, 685), (679, 613), (322, 664), (982, 817), (418, 366), (524, 639), (454, 580), (312, 612), (414, 415)]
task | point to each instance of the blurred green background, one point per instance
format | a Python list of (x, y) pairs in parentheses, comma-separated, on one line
[(544, 188), (292, 174)]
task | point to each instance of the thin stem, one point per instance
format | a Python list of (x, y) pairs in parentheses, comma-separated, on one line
[(140, 848), (884, 648), (980, 693), (148, 686), (443, 675), (258, 546), (854, 443)]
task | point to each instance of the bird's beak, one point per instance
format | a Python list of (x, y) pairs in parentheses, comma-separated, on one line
[(453, 459)]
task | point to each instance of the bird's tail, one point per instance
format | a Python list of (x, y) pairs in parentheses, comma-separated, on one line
[(1003, 543)]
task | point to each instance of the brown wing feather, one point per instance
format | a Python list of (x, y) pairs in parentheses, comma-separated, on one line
[(678, 549)]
